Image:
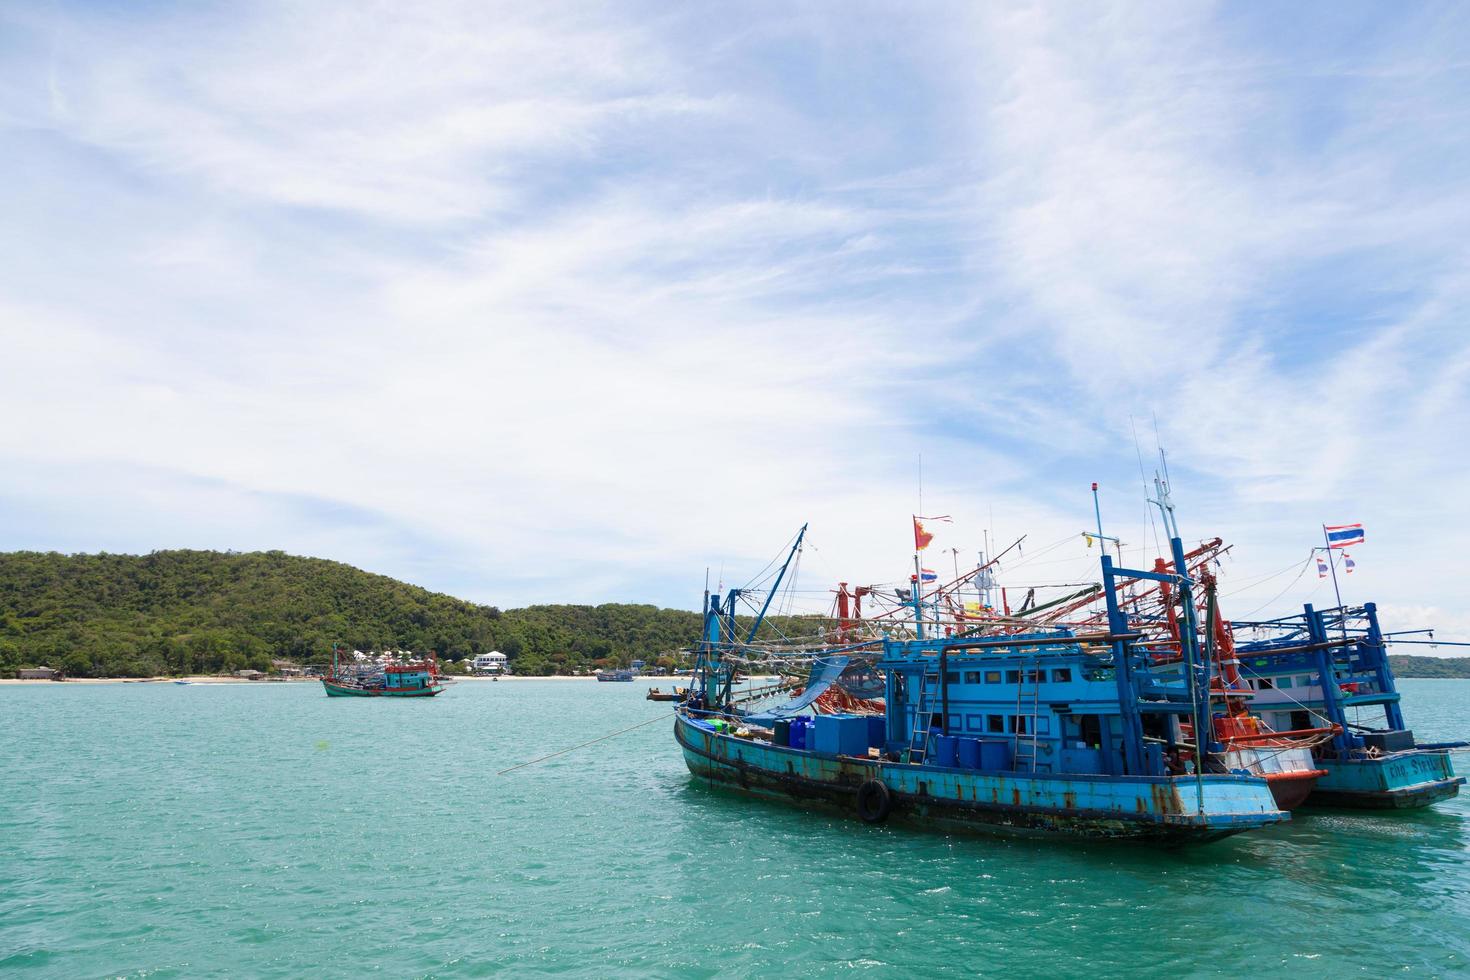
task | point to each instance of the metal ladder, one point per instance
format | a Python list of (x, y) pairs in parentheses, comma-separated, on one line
[(923, 719), (1028, 681)]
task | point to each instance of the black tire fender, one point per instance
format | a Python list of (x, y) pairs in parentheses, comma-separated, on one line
[(874, 801)]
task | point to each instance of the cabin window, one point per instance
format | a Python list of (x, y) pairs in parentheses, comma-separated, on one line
[(995, 723), (1300, 720), (1304, 680), (1062, 675), (1013, 677), (972, 677), (1035, 676), (1017, 724), (1091, 730), (1283, 682), (1043, 725), (974, 723), (1265, 684), (992, 677), (952, 677)]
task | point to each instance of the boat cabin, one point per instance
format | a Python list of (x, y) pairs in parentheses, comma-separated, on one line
[(415, 677), (1043, 703), (1286, 668)]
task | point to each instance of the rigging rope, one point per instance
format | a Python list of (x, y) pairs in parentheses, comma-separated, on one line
[(600, 738), (1283, 592)]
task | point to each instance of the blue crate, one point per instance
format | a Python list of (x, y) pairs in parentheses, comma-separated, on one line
[(840, 735)]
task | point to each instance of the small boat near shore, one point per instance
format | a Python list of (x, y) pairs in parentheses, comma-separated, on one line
[(621, 674), (677, 694), (416, 678)]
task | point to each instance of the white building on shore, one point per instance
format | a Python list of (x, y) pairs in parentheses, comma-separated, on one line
[(493, 662)]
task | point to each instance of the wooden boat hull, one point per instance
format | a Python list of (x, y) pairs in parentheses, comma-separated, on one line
[(1289, 770), (1291, 789), (1139, 808), (335, 690), (1397, 781)]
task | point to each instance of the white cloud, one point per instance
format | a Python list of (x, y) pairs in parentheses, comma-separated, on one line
[(574, 302)]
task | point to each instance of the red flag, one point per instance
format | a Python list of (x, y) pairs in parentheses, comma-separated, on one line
[(921, 536)]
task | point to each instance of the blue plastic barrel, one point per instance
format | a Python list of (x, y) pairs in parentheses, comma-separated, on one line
[(798, 733), (995, 756), (781, 732), (969, 753), (946, 750), (877, 730)]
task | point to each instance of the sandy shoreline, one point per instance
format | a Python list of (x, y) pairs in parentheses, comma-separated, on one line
[(202, 679), (212, 679)]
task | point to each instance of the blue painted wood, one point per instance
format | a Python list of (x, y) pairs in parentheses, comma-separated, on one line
[(1087, 805)]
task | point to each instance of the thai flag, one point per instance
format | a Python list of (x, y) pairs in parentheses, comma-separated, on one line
[(929, 575), (1321, 567), (1347, 563), (1343, 535)]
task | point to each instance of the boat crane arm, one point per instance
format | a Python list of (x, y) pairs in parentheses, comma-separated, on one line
[(771, 595)]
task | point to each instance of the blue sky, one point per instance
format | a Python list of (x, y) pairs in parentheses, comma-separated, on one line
[(545, 302)]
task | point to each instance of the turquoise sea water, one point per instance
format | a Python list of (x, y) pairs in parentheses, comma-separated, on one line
[(266, 830)]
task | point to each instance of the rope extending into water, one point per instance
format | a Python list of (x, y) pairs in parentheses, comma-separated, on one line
[(600, 738)]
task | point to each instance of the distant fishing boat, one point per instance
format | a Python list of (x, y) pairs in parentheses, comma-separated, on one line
[(416, 678), (622, 674), (1045, 731), (677, 694)]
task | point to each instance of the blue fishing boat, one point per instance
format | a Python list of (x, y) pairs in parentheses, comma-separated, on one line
[(1050, 731), (1331, 667), (393, 678)]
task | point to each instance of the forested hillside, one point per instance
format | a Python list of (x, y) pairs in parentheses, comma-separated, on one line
[(177, 612), (180, 612), (1408, 666)]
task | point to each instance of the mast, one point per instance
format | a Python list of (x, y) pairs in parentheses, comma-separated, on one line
[(918, 598), (1332, 564)]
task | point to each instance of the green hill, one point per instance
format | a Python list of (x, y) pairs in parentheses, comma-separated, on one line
[(177, 612), (1408, 666)]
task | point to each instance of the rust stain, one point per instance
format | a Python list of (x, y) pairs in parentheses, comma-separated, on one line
[(1069, 799), (1164, 798), (1016, 797)]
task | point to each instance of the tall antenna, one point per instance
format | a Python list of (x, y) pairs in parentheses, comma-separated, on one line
[(1143, 479), (1163, 501), (921, 483)]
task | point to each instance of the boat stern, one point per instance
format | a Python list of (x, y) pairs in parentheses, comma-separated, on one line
[(1396, 781)]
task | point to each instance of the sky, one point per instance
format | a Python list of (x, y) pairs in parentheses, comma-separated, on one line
[(545, 302)]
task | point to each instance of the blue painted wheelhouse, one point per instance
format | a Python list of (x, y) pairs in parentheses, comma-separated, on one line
[(1041, 732), (1331, 666)]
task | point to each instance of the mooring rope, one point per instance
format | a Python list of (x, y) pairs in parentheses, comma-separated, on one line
[(600, 738)]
